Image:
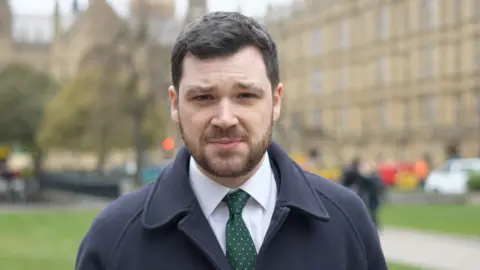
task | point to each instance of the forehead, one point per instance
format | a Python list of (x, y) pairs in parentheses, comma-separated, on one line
[(246, 66)]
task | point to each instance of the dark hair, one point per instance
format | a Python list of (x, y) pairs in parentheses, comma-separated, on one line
[(223, 33), (313, 153), (356, 162)]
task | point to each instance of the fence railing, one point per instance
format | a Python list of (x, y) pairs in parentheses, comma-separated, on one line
[(88, 183)]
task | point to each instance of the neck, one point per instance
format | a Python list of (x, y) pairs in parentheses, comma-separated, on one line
[(233, 182)]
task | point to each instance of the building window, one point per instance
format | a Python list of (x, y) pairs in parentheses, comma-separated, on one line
[(431, 110), (316, 118), (477, 101), (457, 109), (296, 121), (365, 119), (428, 14), (344, 35), (476, 7), (382, 70), (407, 114), (476, 52), (458, 56), (343, 77), (383, 114), (458, 11), (428, 62), (343, 118), (383, 22), (316, 82), (407, 23), (316, 42)]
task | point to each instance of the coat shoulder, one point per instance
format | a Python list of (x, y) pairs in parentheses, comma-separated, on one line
[(332, 191), (356, 217), (112, 223), (123, 210), (343, 201)]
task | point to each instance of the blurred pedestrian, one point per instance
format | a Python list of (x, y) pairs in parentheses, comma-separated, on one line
[(371, 188), (351, 177), (8, 176), (422, 169)]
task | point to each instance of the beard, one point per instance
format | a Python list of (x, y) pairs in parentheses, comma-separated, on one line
[(229, 163)]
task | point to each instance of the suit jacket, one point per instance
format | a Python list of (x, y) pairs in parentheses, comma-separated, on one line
[(317, 224)]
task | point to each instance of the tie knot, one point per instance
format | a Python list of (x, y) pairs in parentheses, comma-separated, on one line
[(236, 201)]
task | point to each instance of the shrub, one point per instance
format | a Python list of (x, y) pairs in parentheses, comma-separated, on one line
[(474, 181)]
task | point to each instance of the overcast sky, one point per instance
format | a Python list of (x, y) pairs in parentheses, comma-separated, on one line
[(250, 7)]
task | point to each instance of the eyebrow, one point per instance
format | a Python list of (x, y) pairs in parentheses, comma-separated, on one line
[(198, 90), (249, 86), (202, 90)]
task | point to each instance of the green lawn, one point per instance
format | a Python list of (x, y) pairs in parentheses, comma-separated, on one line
[(395, 266), (454, 219), (49, 240), (41, 241)]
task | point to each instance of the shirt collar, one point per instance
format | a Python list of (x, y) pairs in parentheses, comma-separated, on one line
[(210, 193)]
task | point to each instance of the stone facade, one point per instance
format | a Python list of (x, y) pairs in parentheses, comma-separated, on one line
[(61, 44), (390, 79), (64, 44)]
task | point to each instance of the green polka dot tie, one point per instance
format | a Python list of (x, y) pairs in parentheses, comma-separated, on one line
[(241, 252)]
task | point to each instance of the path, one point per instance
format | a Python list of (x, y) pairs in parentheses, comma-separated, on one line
[(430, 250), (49, 207), (61, 201)]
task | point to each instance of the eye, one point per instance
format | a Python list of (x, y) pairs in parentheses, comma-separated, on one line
[(203, 98), (246, 95)]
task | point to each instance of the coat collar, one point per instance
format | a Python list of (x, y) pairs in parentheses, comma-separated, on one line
[(171, 197)]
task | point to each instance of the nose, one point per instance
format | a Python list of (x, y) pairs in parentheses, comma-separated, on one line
[(225, 116)]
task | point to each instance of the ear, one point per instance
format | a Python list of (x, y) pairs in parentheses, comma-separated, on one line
[(277, 101), (172, 93)]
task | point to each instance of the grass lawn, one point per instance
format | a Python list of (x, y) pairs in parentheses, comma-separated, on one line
[(394, 266), (49, 240), (454, 219), (41, 241)]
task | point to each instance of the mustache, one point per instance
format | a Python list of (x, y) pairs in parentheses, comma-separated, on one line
[(217, 134)]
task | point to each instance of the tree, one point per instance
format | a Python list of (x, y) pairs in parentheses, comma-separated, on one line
[(123, 101), (134, 50), (66, 117), (24, 94), (87, 115), (93, 113)]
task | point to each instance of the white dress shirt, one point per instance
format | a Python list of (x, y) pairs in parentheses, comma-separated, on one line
[(258, 211)]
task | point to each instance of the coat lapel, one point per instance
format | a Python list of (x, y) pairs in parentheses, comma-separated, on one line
[(172, 201)]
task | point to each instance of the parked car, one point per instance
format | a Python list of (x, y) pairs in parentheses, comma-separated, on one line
[(396, 173), (452, 178), (387, 172)]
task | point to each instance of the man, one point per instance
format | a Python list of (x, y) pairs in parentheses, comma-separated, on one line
[(351, 176), (8, 177), (231, 199), (371, 188), (422, 170)]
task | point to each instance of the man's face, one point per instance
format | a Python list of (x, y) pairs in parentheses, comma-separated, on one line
[(225, 110)]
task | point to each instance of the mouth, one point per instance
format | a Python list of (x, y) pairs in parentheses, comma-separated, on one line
[(225, 144)]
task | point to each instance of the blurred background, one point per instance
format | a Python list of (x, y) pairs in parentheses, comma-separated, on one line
[(382, 96)]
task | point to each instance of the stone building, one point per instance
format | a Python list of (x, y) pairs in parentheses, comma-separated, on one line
[(64, 44), (394, 79), (61, 43)]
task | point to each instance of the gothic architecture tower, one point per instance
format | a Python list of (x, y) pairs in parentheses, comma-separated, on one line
[(196, 8), (5, 31), (5, 19), (157, 9)]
